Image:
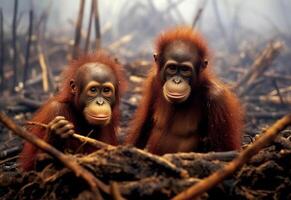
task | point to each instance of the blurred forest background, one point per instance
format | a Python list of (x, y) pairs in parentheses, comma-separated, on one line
[(229, 25)]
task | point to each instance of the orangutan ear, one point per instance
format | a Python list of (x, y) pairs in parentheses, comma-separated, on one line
[(73, 86), (156, 57), (204, 65), (116, 61)]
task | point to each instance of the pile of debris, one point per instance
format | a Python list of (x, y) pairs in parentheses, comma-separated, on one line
[(124, 172)]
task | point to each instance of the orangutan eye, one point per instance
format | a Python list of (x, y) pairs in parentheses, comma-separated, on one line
[(107, 91), (186, 71), (171, 69), (92, 91)]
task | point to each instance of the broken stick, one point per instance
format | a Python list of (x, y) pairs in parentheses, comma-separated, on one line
[(259, 66), (96, 143), (205, 184), (68, 161)]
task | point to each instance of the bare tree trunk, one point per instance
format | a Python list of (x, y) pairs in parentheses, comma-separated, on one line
[(97, 24), (27, 55), (1, 52), (87, 43), (76, 48), (199, 13), (14, 41)]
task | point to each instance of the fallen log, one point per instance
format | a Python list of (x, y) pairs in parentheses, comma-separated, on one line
[(259, 66)]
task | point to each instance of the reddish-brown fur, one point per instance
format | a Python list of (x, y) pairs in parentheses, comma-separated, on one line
[(212, 114), (62, 105)]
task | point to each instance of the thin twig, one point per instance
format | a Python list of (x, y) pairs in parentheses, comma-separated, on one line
[(121, 41), (268, 99), (8, 159), (68, 161), (44, 69), (30, 103), (265, 115), (37, 124), (278, 91), (264, 139), (10, 151), (96, 143), (281, 90), (115, 192), (271, 74), (221, 156)]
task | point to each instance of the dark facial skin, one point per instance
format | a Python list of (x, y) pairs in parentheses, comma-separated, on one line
[(94, 90), (179, 71)]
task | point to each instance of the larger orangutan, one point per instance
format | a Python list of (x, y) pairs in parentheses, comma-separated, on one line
[(87, 103), (184, 106)]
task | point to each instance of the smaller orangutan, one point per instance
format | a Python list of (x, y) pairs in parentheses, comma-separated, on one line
[(184, 106), (87, 104)]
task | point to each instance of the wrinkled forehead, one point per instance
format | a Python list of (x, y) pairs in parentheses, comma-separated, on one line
[(181, 51), (95, 72)]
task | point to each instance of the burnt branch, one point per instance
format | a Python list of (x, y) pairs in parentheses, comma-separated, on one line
[(27, 54), (68, 161), (14, 43), (259, 66), (77, 40), (266, 138)]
